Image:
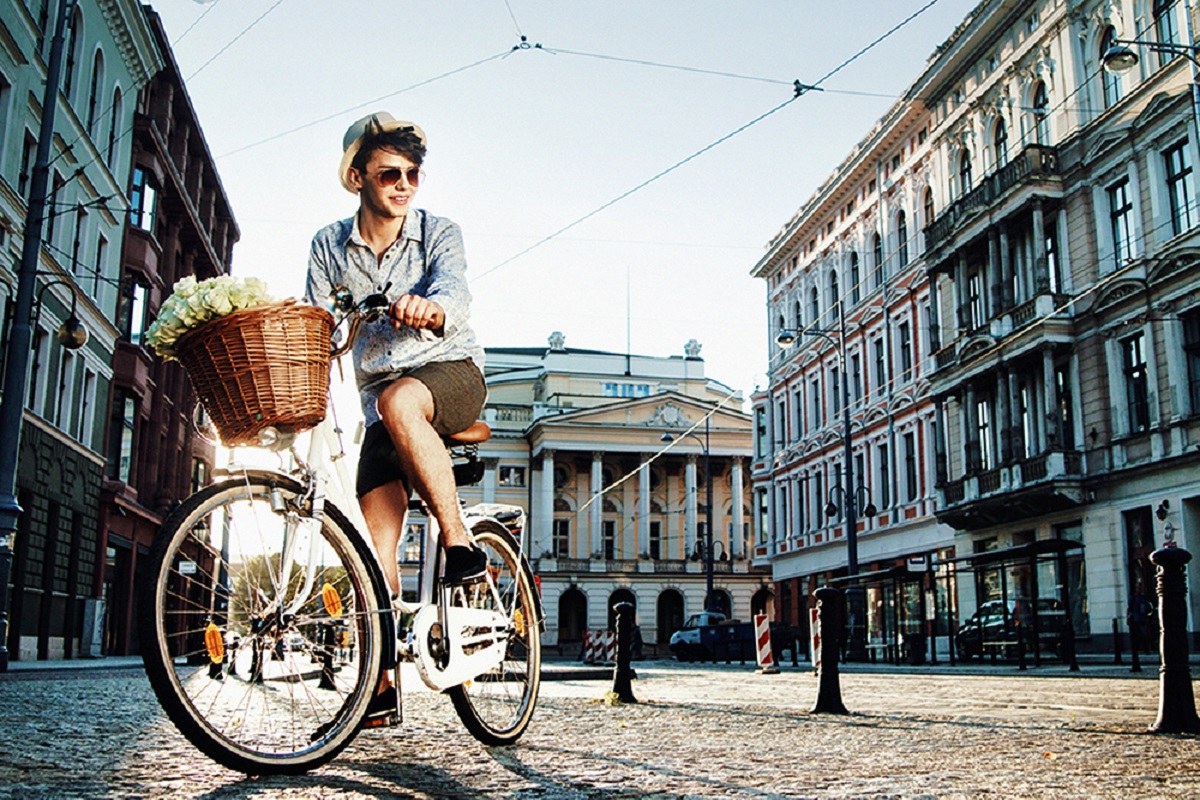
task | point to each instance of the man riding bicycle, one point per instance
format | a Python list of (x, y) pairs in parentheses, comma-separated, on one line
[(419, 370)]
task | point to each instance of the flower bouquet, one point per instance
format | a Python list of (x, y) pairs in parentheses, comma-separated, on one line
[(194, 303), (255, 363)]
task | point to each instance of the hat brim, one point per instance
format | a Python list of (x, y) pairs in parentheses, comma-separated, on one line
[(351, 151)]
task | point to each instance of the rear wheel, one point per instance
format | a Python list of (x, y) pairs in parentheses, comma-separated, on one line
[(496, 707), (263, 644)]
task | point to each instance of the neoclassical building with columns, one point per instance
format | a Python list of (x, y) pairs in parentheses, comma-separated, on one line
[(618, 511)]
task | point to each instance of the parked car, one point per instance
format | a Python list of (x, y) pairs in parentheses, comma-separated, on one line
[(995, 625), (685, 642)]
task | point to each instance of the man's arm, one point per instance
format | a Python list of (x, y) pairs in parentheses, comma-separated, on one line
[(447, 288)]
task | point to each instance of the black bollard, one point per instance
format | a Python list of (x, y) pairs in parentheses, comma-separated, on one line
[(622, 672), (1116, 642), (327, 643), (1068, 646), (829, 618), (1136, 644), (1176, 703)]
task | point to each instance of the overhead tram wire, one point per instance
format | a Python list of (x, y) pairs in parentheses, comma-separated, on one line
[(516, 25), (196, 21), (800, 89), (371, 102), (234, 40), (641, 185)]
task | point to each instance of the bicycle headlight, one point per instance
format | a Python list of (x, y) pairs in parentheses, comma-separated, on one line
[(274, 439)]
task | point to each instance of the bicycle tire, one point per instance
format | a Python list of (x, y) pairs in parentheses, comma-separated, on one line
[(216, 568), (496, 707)]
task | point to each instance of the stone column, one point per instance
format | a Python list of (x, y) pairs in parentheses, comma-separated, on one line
[(995, 273), (939, 440), (1041, 274), (971, 430), (1004, 415), (689, 526), (1007, 290), (490, 466), (643, 508), (596, 510), (960, 294), (545, 522), (1050, 395), (1014, 404), (737, 540)]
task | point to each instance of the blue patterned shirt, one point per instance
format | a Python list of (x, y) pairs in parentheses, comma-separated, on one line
[(426, 260)]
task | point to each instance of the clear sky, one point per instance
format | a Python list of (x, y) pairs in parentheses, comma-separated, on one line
[(532, 140)]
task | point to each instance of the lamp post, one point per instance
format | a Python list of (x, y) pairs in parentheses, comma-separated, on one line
[(12, 407), (1121, 57), (708, 514), (855, 594)]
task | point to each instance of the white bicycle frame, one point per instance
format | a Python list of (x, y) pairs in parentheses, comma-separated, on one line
[(483, 632)]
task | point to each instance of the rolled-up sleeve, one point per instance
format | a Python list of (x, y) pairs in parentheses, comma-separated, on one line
[(448, 276)]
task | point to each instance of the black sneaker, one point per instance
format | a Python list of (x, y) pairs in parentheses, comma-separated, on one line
[(464, 564), (381, 711)]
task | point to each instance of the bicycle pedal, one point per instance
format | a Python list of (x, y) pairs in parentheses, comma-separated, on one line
[(386, 721)]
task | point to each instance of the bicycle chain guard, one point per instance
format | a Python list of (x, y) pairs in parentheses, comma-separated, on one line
[(476, 642)]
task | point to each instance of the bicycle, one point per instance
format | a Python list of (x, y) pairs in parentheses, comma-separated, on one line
[(268, 622)]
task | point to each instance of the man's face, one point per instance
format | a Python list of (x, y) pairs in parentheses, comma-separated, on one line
[(384, 185)]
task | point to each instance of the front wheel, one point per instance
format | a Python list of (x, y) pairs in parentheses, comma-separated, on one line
[(264, 627), (496, 707)]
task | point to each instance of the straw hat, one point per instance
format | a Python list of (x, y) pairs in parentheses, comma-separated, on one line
[(354, 134)]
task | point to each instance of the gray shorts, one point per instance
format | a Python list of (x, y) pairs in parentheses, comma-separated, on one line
[(458, 393)]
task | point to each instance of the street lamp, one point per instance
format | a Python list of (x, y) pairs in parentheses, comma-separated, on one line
[(1120, 58), (708, 514), (855, 594), (12, 407)]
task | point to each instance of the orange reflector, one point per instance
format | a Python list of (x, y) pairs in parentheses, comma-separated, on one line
[(332, 600), (214, 642), (519, 622)]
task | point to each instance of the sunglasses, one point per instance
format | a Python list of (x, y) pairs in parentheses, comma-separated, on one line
[(390, 177)]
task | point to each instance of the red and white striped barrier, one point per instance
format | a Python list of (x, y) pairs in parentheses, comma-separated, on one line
[(814, 627), (762, 636), (599, 647)]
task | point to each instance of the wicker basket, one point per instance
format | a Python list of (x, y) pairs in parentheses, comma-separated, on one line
[(261, 367)]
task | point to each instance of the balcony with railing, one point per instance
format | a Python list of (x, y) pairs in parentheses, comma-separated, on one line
[(1036, 163), (1031, 487)]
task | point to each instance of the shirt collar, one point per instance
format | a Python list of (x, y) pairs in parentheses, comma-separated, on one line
[(411, 229)]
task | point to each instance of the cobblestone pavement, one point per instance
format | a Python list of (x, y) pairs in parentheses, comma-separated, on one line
[(700, 731)]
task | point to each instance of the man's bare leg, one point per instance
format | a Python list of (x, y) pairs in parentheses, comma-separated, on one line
[(385, 509), (406, 408)]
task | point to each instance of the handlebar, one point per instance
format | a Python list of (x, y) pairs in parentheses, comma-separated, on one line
[(371, 308)]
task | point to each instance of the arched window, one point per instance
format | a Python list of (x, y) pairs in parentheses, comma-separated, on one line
[(855, 278), (928, 206), (797, 315), (114, 122), (814, 301), (93, 102), (1041, 114), (902, 239), (1164, 27), (835, 293), (74, 51), (877, 260), (1000, 143), (1111, 83), (964, 172)]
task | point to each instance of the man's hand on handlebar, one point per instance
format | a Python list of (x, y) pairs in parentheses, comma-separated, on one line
[(417, 312)]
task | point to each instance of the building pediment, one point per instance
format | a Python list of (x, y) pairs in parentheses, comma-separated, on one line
[(662, 412)]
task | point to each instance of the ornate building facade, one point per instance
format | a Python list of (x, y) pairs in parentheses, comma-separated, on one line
[(109, 54), (179, 224), (615, 512), (1059, 307)]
